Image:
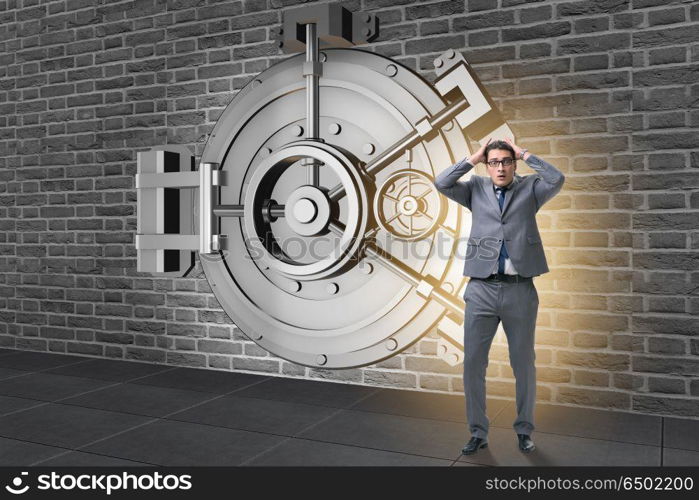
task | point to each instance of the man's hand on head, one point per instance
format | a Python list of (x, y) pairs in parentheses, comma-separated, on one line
[(479, 156)]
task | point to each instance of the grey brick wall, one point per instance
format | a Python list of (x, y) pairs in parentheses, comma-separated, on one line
[(607, 90)]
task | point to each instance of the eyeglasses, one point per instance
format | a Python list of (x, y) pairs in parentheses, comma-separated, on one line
[(506, 162)]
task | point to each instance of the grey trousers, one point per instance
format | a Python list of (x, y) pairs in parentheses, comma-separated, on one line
[(516, 305)]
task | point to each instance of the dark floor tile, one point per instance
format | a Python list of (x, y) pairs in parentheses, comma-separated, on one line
[(675, 457), (310, 392), (82, 459), (681, 433), (590, 423), (115, 370), (65, 426), (20, 453), (302, 452), (139, 399), (9, 404), (557, 450), (35, 361), (9, 373), (192, 379), (431, 438), (47, 387), (252, 414), (183, 444), (4, 351), (423, 405)]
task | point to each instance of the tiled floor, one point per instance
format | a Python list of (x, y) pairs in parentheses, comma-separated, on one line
[(71, 410)]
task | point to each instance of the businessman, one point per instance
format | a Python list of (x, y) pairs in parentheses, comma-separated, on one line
[(504, 253)]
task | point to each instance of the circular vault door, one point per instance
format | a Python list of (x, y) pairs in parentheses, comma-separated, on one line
[(337, 246)]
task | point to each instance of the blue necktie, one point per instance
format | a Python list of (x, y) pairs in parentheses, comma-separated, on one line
[(503, 251)]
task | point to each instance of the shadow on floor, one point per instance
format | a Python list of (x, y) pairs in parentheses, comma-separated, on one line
[(58, 410)]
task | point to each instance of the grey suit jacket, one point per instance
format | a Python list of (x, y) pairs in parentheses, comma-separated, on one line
[(515, 226)]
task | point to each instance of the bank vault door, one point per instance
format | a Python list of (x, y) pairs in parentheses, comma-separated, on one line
[(312, 208)]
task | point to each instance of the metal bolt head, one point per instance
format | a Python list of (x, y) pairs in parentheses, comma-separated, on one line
[(391, 70), (450, 54), (438, 63), (297, 130), (334, 128), (391, 344), (321, 359), (305, 210), (366, 268), (368, 148), (332, 288)]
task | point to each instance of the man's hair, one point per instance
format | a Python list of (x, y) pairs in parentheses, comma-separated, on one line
[(499, 145)]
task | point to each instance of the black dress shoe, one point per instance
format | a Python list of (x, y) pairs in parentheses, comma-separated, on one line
[(474, 445), (526, 445)]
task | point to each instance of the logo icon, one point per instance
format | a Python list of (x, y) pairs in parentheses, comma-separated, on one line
[(16, 487)]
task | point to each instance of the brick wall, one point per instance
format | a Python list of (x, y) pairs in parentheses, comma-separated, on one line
[(606, 90)]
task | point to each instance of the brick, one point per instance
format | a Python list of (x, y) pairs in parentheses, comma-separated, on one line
[(584, 7), (677, 221), (223, 10), (534, 14), (600, 221), (533, 50), (434, 44), (590, 62), (667, 240), (666, 365), (666, 76), (186, 330), (581, 339), (593, 81), (666, 385), (390, 378), (353, 375), (663, 345), (594, 43), (681, 35), (590, 397), (589, 378), (544, 30), (671, 324), (602, 361), (671, 406), (436, 9), (430, 364), (591, 24), (482, 21), (255, 364), (185, 359)]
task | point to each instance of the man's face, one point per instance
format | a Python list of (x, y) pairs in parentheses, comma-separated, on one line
[(501, 175)]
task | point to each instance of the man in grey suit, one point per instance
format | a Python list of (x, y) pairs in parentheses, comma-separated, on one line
[(504, 252)]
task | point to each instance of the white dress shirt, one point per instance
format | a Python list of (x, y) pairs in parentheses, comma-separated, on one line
[(509, 267)]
